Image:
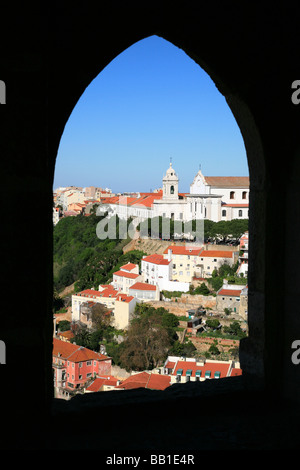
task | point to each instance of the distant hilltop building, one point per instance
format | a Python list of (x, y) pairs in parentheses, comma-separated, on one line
[(211, 197)]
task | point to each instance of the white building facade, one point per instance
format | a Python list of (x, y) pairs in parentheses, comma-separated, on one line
[(211, 197)]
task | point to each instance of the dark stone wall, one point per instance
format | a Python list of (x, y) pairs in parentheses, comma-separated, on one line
[(50, 52)]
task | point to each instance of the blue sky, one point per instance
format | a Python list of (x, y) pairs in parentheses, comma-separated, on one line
[(152, 102)]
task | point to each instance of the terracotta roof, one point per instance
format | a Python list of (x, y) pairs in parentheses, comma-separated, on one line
[(231, 292), (124, 298), (146, 200), (75, 353), (89, 293), (128, 266), (170, 365), (223, 368), (143, 286), (156, 259), (100, 381), (183, 250), (234, 205), (67, 334), (159, 382), (135, 381), (216, 254), (146, 380), (125, 274), (228, 181)]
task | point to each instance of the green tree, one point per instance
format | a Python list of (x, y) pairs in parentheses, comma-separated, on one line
[(100, 316), (202, 289), (149, 338), (213, 349), (234, 329), (64, 325), (213, 323)]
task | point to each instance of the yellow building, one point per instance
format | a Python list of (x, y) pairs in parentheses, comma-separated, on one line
[(184, 259)]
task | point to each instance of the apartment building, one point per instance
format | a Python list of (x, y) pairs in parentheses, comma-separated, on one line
[(184, 261), (125, 277), (157, 270), (210, 259), (144, 291), (183, 370), (74, 366), (229, 297), (120, 305)]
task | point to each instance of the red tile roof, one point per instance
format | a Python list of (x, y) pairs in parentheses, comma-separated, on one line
[(156, 259), (142, 286), (159, 382), (75, 353), (170, 365), (128, 266), (183, 250), (91, 293), (124, 298), (213, 367), (231, 292), (66, 334), (216, 254), (125, 274), (235, 205), (100, 381), (135, 381), (146, 380)]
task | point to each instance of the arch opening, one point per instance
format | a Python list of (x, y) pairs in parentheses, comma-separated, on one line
[(235, 104)]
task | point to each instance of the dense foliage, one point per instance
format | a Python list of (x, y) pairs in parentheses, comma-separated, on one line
[(80, 256)]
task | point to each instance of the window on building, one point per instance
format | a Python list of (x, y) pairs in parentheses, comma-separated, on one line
[(232, 194), (244, 195), (172, 190), (223, 213), (240, 213)]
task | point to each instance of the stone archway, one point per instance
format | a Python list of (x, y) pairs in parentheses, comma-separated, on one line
[(50, 57), (251, 351)]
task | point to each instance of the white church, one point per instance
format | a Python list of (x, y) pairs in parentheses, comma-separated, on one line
[(211, 197)]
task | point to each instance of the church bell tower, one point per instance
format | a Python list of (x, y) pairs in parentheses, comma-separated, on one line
[(170, 184)]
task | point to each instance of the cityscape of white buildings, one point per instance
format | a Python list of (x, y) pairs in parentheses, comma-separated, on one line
[(211, 198)]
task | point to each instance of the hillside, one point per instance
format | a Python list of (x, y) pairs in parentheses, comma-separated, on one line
[(81, 258), (149, 246)]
